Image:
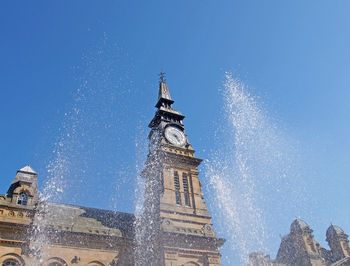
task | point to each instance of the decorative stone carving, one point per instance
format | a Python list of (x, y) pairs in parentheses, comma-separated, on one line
[(166, 222), (214, 260), (208, 230), (167, 225)]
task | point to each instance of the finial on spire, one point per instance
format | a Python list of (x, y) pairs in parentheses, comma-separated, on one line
[(162, 76), (163, 90)]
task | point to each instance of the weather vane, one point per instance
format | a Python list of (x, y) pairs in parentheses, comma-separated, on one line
[(162, 76)]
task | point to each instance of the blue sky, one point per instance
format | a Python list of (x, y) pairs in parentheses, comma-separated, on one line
[(90, 69)]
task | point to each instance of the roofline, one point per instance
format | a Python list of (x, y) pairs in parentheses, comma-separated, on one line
[(85, 207)]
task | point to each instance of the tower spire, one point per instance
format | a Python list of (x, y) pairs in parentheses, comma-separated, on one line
[(165, 114), (163, 88)]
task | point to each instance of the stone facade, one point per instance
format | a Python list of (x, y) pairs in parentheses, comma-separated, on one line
[(176, 226), (300, 248)]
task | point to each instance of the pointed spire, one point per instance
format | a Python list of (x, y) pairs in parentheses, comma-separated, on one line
[(163, 88), (165, 113), (164, 99)]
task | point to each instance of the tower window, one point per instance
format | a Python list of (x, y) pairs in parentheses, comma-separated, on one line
[(177, 188), (22, 199), (186, 190)]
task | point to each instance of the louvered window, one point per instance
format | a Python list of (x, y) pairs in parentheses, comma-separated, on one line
[(186, 190), (177, 188)]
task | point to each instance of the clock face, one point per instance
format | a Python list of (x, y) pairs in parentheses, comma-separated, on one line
[(175, 136)]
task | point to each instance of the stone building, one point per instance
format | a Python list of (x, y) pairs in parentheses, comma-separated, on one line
[(300, 248), (175, 229)]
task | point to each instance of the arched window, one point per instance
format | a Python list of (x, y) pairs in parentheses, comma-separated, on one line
[(55, 261), (177, 188), (10, 263), (22, 199)]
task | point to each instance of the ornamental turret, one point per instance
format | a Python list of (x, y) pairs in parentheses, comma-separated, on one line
[(24, 188), (338, 242)]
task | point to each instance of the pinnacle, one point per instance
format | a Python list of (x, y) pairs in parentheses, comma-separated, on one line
[(27, 169), (163, 91)]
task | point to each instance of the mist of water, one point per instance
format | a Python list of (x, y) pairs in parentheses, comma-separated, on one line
[(90, 140), (148, 220), (248, 173), (139, 195)]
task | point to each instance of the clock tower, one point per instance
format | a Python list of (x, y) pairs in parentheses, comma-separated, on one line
[(178, 227)]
